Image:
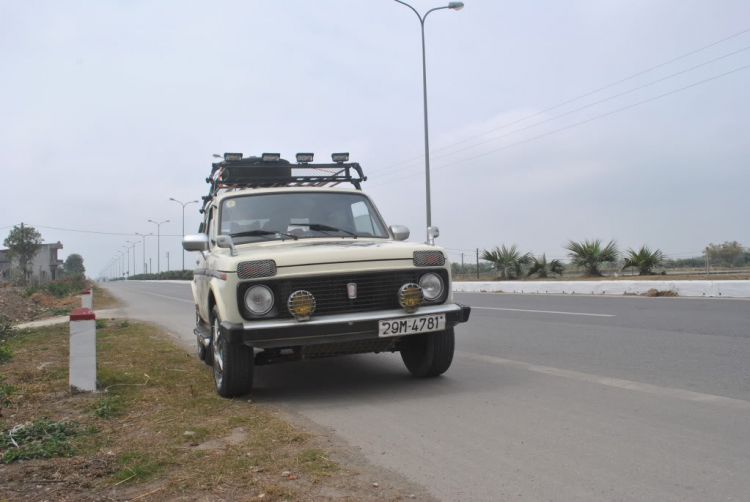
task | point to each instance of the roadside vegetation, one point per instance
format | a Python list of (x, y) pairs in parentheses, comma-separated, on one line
[(593, 259), (156, 430), (171, 275)]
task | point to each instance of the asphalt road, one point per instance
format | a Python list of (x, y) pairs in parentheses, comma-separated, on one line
[(549, 398)]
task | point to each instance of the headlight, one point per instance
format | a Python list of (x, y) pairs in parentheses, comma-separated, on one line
[(259, 299), (432, 286)]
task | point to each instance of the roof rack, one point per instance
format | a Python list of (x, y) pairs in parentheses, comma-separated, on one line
[(254, 172)]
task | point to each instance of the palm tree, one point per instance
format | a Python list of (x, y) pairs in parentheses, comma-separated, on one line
[(591, 254), (507, 261), (644, 260), (542, 268)]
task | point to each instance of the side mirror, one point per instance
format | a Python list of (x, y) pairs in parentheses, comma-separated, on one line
[(225, 241), (195, 242), (400, 232), (432, 233)]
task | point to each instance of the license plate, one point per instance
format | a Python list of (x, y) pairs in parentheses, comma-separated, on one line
[(410, 325)]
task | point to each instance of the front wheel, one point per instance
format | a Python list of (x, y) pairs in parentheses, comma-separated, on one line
[(232, 363), (429, 354)]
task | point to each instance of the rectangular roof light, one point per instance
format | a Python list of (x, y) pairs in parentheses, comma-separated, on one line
[(271, 157), (232, 157), (304, 157), (340, 157)]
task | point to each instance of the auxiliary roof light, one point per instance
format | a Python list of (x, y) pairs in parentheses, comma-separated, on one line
[(232, 157), (304, 158), (271, 157), (340, 157)]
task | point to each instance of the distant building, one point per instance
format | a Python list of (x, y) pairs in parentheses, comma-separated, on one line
[(44, 266)]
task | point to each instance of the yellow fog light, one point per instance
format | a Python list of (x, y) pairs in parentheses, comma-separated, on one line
[(301, 304), (410, 296)]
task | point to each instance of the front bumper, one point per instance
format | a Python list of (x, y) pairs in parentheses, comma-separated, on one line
[(329, 329)]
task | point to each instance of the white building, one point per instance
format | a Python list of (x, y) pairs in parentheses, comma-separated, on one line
[(44, 266)]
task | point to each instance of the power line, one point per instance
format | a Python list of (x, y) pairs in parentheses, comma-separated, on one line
[(572, 100), (571, 125), (589, 105), (96, 231)]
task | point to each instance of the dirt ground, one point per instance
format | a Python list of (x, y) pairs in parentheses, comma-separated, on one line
[(40, 305)]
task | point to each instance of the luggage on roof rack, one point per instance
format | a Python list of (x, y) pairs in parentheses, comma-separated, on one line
[(255, 172)]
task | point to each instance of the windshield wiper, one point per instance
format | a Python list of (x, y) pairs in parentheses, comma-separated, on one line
[(319, 227), (260, 233)]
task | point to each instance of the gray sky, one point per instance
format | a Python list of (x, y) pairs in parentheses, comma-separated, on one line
[(108, 109)]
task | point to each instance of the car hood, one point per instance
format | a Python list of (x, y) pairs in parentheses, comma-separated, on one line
[(321, 251)]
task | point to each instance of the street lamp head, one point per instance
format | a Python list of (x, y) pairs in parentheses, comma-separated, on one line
[(173, 200), (456, 5)]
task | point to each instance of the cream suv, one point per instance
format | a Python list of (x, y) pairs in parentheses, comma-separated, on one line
[(293, 267)]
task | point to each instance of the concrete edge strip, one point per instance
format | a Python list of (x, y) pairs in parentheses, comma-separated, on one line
[(542, 311), (685, 395)]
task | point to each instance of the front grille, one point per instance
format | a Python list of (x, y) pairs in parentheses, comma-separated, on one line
[(255, 269), (429, 259), (375, 291)]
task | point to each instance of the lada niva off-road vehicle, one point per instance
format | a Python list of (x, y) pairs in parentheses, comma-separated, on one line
[(294, 267)]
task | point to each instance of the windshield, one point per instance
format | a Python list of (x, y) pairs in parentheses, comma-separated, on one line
[(251, 218)]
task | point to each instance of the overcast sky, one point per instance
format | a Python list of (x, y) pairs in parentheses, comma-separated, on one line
[(109, 108)]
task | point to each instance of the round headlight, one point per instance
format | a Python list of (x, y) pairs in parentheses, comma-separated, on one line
[(432, 286), (259, 299)]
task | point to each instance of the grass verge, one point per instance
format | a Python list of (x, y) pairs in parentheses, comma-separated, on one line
[(155, 431)]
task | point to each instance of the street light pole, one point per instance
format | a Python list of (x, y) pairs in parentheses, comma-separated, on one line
[(145, 270), (158, 243), (183, 224), (127, 250), (132, 244), (453, 6)]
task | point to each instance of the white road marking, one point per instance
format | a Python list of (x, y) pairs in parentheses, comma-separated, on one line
[(543, 311), (686, 395), (163, 296)]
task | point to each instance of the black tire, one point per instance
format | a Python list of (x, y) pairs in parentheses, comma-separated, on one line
[(429, 354), (202, 351), (232, 363)]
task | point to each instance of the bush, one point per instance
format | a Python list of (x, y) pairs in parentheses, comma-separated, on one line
[(164, 276), (41, 438), (59, 288)]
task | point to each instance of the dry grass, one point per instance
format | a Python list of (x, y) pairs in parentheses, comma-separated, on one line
[(162, 433), (103, 299)]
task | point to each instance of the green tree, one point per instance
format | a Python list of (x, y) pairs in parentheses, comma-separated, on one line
[(724, 254), (590, 255), (644, 260), (73, 265), (508, 262), (23, 244), (542, 268)]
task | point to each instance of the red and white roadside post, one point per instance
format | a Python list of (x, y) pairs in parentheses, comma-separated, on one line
[(87, 299), (82, 350)]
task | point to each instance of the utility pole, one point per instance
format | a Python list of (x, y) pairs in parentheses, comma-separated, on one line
[(150, 270), (167, 261), (477, 263), (462, 264)]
